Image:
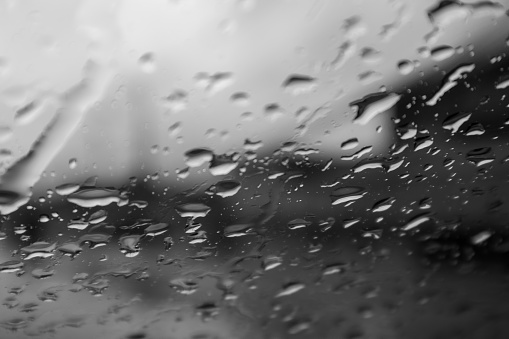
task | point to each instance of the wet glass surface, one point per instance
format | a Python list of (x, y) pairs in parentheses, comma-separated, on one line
[(254, 169)]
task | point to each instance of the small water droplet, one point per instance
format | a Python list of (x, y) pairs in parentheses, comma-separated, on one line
[(73, 163)]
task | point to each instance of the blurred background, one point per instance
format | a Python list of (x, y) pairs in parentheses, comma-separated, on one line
[(252, 169)]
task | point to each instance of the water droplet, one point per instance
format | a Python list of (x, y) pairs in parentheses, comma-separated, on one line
[(345, 51), (372, 105), (475, 129), (156, 229), (207, 311), (97, 217), (425, 203), (28, 113), (298, 223), (70, 248), (41, 273), (225, 188), (368, 77), (299, 326), (198, 237), (222, 165), (271, 261), (252, 145), (11, 266), (273, 112), (383, 205), (447, 12), (327, 224), (147, 62), (66, 189), (370, 55), (184, 286), (198, 156), (183, 173), (441, 53), (349, 144), (237, 230), (97, 285), (416, 221), (289, 289), (177, 101), (502, 84), (406, 67), (350, 222), (334, 268), (73, 163), (299, 84), (480, 156), (40, 249), (347, 194), (14, 324), (44, 218), (450, 81), (353, 27), (360, 153), (480, 237), (129, 244), (192, 210), (422, 142), (92, 197), (77, 225), (368, 164), (240, 99), (214, 83), (95, 239), (454, 121)]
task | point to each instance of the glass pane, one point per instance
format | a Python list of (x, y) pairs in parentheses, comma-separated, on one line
[(253, 169)]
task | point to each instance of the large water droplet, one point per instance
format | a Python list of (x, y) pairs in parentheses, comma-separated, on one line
[(347, 194), (372, 105), (222, 165), (11, 266), (416, 221), (225, 188), (92, 197), (299, 84), (454, 121), (441, 53), (192, 210), (298, 223), (198, 156), (290, 288), (450, 81), (40, 249), (156, 229)]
